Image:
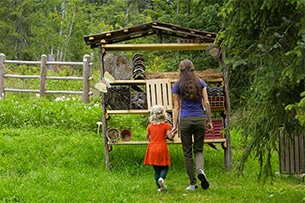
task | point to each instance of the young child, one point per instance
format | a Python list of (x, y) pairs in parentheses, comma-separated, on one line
[(157, 153)]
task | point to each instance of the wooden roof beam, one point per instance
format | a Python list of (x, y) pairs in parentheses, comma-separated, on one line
[(181, 29), (160, 47), (111, 37), (181, 32)]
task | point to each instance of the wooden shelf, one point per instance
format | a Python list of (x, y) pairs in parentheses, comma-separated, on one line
[(143, 82), (147, 83), (145, 142), (217, 109), (129, 82), (131, 111), (146, 111)]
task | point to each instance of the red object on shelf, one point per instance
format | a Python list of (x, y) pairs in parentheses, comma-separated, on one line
[(217, 101), (215, 133)]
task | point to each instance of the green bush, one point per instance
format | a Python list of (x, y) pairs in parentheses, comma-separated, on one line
[(63, 113)]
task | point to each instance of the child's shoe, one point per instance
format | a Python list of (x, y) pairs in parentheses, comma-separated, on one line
[(162, 185)]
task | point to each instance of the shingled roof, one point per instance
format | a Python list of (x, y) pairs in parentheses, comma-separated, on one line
[(185, 35)]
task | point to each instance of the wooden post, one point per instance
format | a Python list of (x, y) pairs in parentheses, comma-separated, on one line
[(102, 52), (2, 72), (51, 57), (291, 153), (159, 35), (86, 75), (228, 148), (43, 74)]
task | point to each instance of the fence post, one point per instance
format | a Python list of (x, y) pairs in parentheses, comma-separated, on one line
[(51, 57), (86, 75), (2, 72), (43, 74)]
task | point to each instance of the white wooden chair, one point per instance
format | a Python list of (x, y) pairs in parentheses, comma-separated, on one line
[(159, 92)]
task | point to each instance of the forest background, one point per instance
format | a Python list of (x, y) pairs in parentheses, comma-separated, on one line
[(264, 43)]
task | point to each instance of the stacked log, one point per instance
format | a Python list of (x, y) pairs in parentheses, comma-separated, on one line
[(138, 100), (117, 98)]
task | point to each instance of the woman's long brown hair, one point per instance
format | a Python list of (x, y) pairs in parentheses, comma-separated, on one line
[(189, 84)]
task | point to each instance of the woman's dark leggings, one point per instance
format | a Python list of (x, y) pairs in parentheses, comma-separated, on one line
[(192, 131), (160, 172)]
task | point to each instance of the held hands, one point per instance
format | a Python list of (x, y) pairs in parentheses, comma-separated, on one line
[(174, 130), (209, 126)]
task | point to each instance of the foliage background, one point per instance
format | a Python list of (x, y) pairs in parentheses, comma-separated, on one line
[(264, 43)]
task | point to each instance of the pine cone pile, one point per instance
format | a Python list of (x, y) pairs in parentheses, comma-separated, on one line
[(138, 67), (215, 91)]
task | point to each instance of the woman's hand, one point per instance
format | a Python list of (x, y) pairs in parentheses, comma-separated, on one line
[(174, 130), (209, 126)]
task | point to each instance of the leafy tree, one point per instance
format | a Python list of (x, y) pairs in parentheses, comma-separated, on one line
[(14, 12), (264, 41), (57, 26)]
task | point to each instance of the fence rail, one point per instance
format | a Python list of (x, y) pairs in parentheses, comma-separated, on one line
[(43, 77)]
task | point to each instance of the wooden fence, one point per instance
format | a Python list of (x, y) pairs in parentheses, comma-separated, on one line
[(292, 153), (44, 63)]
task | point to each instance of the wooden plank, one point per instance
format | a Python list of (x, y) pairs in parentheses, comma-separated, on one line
[(302, 153), (47, 77), (22, 62), (286, 154), (64, 63), (21, 90), (185, 29), (291, 155), (63, 92), (127, 82), (133, 111), (145, 111), (281, 153), (159, 47), (297, 145), (181, 32), (158, 93), (22, 76), (145, 142), (2, 73), (64, 78)]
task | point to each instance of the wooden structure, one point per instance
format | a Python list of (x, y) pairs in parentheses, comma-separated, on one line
[(189, 39), (292, 154), (44, 63)]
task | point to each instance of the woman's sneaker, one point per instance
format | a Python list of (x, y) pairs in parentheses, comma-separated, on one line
[(203, 178), (192, 187), (162, 185)]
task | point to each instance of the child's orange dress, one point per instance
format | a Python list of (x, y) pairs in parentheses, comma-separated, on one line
[(157, 151)]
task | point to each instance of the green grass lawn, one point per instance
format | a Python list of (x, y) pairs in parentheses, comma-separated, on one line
[(55, 165)]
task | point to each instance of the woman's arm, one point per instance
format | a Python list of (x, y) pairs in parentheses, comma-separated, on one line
[(206, 106), (176, 111)]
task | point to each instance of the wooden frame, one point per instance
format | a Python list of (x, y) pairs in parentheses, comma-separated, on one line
[(201, 40)]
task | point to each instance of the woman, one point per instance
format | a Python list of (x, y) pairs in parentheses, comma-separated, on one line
[(191, 106)]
